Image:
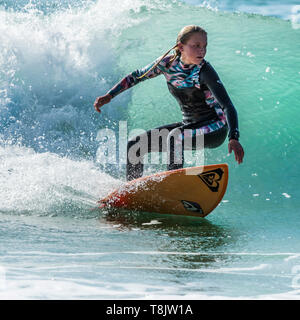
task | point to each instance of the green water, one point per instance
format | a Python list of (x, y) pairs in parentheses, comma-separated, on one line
[(256, 57)]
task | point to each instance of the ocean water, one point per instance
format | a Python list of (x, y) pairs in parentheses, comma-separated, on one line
[(56, 57)]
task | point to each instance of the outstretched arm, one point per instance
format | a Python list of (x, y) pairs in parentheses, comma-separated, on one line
[(129, 81)]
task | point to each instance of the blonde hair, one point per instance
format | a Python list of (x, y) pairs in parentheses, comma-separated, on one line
[(183, 36)]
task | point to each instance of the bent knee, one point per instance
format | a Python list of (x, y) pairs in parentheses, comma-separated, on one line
[(216, 138)]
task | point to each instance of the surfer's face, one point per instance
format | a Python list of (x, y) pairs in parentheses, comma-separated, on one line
[(194, 50)]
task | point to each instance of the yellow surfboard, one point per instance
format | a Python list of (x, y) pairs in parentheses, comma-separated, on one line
[(194, 191)]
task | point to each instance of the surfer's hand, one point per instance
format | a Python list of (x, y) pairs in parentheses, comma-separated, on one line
[(100, 101), (237, 149)]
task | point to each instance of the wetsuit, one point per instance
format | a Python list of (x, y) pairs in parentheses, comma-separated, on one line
[(205, 105)]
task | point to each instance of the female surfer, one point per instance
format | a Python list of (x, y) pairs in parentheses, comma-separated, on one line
[(205, 105)]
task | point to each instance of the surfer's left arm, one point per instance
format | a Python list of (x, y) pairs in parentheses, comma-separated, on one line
[(214, 84)]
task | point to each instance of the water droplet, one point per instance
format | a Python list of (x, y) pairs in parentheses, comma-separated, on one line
[(286, 195)]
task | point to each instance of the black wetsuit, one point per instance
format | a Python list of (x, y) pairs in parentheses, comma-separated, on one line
[(205, 105)]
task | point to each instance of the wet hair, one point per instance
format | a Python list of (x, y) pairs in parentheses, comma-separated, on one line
[(183, 36)]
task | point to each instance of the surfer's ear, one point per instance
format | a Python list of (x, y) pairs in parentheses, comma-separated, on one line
[(180, 46)]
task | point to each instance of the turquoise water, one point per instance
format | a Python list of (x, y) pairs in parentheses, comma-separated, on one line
[(55, 58)]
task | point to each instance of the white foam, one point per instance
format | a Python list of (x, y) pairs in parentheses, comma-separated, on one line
[(53, 66), (237, 270), (152, 222), (24, 282), (41, 182), (55, 288), (286, 195)]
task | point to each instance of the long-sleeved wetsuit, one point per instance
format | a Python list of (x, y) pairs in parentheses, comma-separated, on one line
[(205, 105)]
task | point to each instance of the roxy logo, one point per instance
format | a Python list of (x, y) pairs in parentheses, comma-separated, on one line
[(212, 178), (191, 206)]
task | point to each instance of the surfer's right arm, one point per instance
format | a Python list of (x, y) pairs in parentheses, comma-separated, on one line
[(101, 101), (150, 71)]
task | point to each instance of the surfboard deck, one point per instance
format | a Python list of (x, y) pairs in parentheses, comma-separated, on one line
[(194, 191)]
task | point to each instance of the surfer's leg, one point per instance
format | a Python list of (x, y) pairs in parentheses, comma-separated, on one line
[(215, 138), (151, 141), (135, 167), (177, 141), (175, 148)]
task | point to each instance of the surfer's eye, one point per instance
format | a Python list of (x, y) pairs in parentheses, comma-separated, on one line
[(197, 46)]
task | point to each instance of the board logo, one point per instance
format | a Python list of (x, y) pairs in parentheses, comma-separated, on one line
[(192, 206), (212, 178)]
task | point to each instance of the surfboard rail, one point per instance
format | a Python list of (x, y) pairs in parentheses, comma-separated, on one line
[(193, 191)]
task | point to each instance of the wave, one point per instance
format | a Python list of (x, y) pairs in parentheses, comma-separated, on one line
[(55, 62), (52, 68), (45, 184)]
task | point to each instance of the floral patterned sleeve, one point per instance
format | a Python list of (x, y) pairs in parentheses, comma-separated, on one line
[(133, 78)]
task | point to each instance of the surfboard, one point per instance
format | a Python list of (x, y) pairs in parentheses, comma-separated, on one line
[(194, 191)]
